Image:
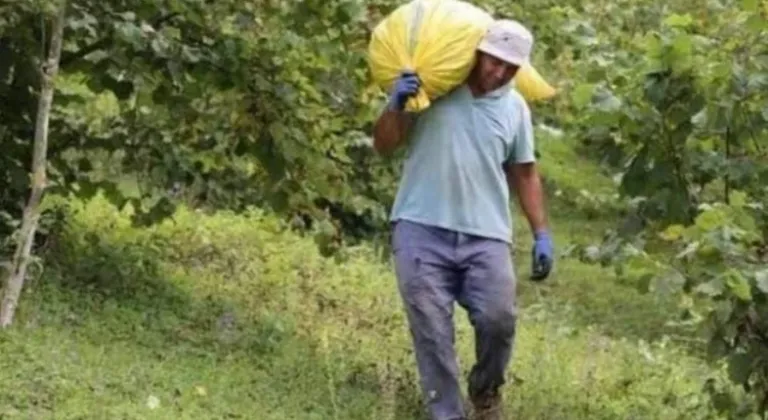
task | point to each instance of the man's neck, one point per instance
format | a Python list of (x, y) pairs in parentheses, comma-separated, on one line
[(476, 90)]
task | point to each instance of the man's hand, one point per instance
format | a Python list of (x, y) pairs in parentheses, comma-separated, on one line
[(405, 87), (542, 257)]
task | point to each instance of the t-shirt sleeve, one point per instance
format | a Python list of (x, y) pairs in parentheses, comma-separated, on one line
[(522, 150)]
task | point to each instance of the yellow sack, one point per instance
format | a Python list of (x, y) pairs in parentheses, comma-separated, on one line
[(531, 85), (437, 39)]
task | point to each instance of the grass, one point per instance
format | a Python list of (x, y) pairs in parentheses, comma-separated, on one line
[(230, 316)]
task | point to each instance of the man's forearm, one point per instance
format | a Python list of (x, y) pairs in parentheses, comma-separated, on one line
[(390, 131), (530, 194)]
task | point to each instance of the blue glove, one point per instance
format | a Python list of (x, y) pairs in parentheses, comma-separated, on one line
[(542, 255), (406, 85)]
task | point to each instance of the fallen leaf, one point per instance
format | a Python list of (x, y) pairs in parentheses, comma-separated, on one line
[(153, 402)]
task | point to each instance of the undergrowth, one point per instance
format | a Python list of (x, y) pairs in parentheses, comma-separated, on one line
[(235, 316)]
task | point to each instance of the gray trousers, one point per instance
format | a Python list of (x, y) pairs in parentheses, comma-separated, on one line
[(436, 268)]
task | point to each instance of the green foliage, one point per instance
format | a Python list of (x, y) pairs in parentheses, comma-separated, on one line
[(688, 138), (223, 107), (266, 104), (211, 316), (691, 119), (724, 276)]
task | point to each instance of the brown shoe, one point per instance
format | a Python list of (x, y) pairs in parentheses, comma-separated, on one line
[(488, 408)]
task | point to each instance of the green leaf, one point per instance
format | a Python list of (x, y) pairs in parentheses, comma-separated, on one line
[(700, 119), (128, 16), (738, 284), (750, 5), (757, 81), (130, 33), (739, 367), (712, 288), (122, 89), (606, 101), (673, 233), (669, 282), (761, 280), (710, 219), (723, 402), (325, 238), (679, 21), (683, 47), (689, 250), (716, 347), (582, 94), (738, 198), (723, 311)]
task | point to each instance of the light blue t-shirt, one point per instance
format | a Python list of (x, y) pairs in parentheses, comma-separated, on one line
[(453, 175)]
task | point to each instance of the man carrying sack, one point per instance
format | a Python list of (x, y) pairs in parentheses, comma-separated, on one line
[(452, 225)]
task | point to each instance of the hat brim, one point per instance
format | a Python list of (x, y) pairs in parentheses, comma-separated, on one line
[(501, 55)]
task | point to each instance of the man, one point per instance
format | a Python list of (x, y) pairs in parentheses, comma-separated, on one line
[(452, 223)]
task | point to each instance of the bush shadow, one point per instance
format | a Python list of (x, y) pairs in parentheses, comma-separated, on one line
[(118, 293)]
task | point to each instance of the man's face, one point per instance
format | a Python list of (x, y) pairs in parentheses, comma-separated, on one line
[(491, 73)]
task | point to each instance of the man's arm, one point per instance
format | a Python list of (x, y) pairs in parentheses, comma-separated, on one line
[(390, 131), (524, 180), (522, 174), (393, 124)]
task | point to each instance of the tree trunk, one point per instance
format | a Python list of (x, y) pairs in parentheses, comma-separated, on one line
[(727, 177), (18, 269)]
